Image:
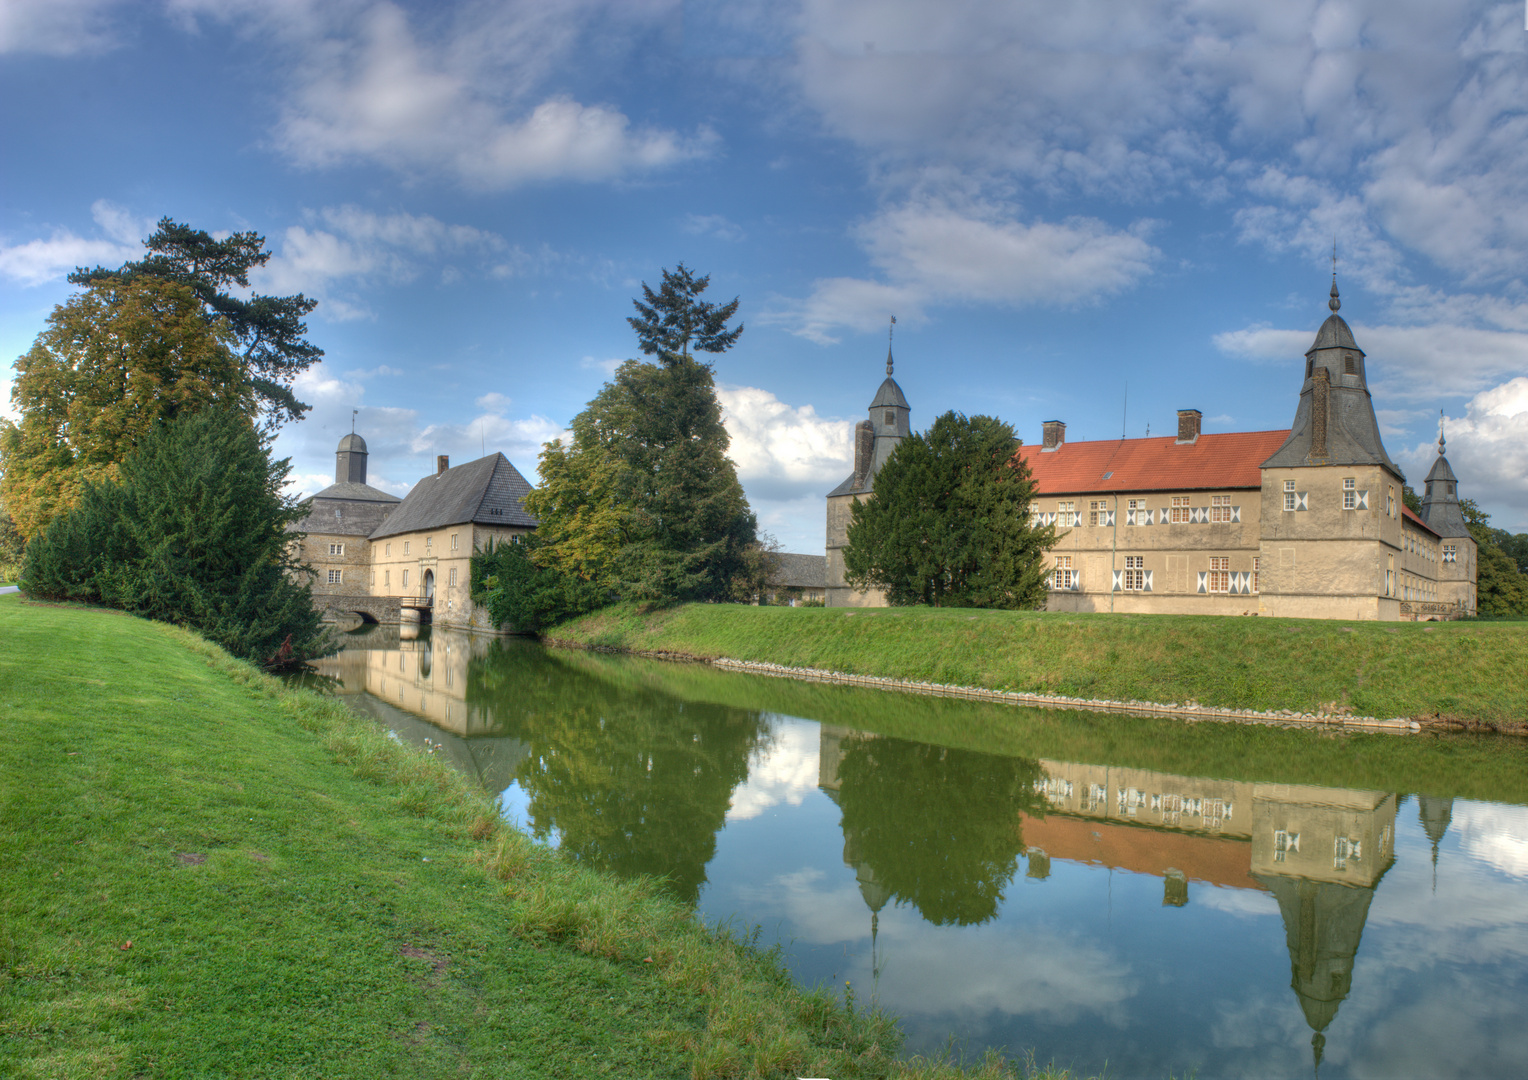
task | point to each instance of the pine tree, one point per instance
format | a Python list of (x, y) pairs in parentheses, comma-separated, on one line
[(949, 521)]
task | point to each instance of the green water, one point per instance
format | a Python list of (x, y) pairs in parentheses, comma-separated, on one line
[(1151, 895)]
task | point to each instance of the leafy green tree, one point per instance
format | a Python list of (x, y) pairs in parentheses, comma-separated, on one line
[(1501, 586), (644, 500), (193, 531), (949, 521), (11, 546), (269, 330), (115, 359), (521, 595)]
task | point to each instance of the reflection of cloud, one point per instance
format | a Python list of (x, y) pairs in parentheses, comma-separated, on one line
[(1496, 835), (783, 771), (1244, 903)]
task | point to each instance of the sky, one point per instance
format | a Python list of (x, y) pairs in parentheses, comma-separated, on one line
[(1091, 211)]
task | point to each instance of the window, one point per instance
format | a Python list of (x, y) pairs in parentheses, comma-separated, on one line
[(1289, 494), (1180, 509), (387, 549), (387, 578), (1390, 576), (1349, 495), (1450, 552), (453, 541), (452, 581), (405, 547), (891, 418), (428, 540), (1135, 573), (1135, 512), (336, 549), (1283, 843), (405, 579), (1220, 508), (334, 577), (1066, 513), (1097, 511), (1257, 566), (1390, 500), (1064, 576), (1220, 573)]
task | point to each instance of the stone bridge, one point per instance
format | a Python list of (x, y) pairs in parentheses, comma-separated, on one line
[(382, 609)]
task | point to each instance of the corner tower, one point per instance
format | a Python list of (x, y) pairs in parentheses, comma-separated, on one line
[(875, 438), (1458, 565), (1332, 530), (350, 460)]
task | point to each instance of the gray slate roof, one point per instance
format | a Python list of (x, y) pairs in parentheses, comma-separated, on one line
[(352, 443), (849, 487), (1352, 434), (889, 394), (489, 491), (1440, 501), (346, 510), (800, 572)]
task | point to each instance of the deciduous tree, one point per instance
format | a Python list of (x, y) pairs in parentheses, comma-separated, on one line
[(949, 521), (115, 359), (269, 330)]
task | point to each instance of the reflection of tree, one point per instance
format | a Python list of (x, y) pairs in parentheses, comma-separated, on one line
[(635, 781), (933, 826)]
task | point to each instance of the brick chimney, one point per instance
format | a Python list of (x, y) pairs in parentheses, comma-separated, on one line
[(1188, 425), (864, 452), (1055, 435), (442, 463)]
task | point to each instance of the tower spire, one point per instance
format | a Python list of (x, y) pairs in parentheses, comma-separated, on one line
[(1440, 432), (1334, 303), (890, 330)]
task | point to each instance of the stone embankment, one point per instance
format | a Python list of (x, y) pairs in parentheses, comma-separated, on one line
[(1335, 719)]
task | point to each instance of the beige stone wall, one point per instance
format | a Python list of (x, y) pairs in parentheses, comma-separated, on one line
[(353, 563), (1338, 835), (441, 552), (838, 593)]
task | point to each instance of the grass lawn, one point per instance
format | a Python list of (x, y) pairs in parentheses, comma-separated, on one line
[(1475, 671), (207, 874)]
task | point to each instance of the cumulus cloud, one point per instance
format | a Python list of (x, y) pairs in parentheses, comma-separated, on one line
[(781, 772), (56, 27), (1488, 448), (931, 253), (341, 249), (35, 262), (461, 98)]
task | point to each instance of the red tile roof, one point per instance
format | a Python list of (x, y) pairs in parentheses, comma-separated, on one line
[(1214, 461)]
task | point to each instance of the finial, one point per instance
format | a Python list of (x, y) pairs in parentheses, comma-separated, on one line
[(353, 413), (890, 330), (1440, 432), (1334, 303)]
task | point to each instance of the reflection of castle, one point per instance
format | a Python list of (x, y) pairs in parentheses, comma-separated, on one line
[(1320, 852)]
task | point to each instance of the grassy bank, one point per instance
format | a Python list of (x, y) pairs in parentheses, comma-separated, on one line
[(207, 873), (1473, 670)]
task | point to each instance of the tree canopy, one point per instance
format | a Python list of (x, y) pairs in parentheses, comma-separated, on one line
[(269, 330), (191, 531), (674, 318), (643, 502), (949, 521), (1501, 584), (115, 359)]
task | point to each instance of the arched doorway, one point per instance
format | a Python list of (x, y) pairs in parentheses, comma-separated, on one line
[(429, 585)]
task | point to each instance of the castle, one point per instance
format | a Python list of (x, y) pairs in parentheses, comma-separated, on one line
[(1304, 523)]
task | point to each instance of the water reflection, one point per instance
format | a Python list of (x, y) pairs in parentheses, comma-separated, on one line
[(1093, 911)]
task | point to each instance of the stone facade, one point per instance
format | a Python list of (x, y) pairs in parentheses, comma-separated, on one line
[(875, 438), (1307, 522)]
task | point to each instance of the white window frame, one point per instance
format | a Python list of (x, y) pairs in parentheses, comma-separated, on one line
[(1220, 509), (1134, 577), (336, 549), (1257, 567), (1450, 553), (451, 582), (405, 547), (1289, 494), (1063, 577), (1219, 580), (453, 541), (405, 579), (1349, 493), (1180, 510), (336, 577), (428, 542)]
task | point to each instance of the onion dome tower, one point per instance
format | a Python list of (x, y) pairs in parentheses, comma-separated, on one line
[(1334, 422)]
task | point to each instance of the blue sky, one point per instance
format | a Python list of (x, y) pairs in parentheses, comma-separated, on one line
[(1057, 201)]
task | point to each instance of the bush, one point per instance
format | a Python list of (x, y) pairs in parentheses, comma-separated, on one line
[(192, 532), (524, 596)]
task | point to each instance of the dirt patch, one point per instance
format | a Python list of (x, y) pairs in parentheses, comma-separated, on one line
[(190, 858), (437, 962), (260, 856), (1449, 722)]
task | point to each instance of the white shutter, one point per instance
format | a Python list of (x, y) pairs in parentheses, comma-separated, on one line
[(1300, 503), (1148, 581), (1235, 513), (1118, 576), (1109, 518), (1363, 500), (1204, 581)]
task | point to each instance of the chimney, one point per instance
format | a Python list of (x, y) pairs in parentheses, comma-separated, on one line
[(1320, 401), (442, 463), (1055, 435), (1188, 425), (864, 452)]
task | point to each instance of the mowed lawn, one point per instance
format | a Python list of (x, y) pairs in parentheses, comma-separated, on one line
[(1476, 671), (203, 873)]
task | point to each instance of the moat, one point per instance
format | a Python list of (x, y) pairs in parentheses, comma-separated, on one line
[(1153, 897)]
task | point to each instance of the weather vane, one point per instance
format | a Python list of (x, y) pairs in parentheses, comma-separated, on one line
[(890, 331), (353, 414)]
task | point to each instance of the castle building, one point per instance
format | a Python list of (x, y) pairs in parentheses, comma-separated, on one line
[(1304, 523), (395, 560)]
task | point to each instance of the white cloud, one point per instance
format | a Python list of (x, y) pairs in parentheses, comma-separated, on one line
[(1488, 449), (366, 85), (713, 225), (56, 27), (930, 252), (779, 448), (39, 261), (781, 772)]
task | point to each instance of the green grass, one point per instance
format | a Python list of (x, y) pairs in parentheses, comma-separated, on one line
[(1476, 671), (209, 874)]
